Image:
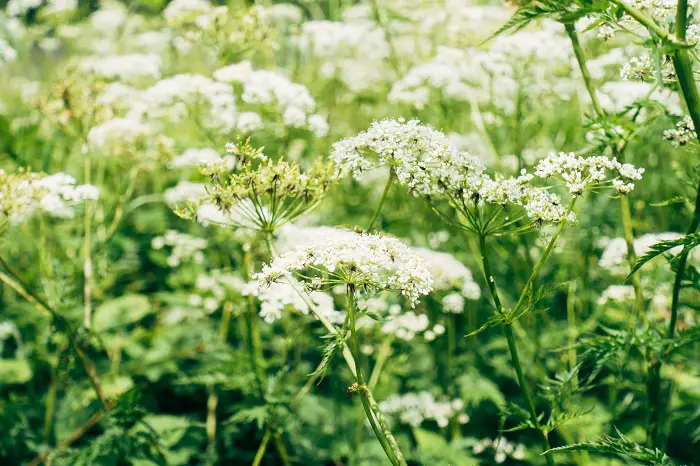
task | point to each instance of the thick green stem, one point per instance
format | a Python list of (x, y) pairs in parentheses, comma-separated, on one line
[(508, 330), (389, 182), (684, 70)]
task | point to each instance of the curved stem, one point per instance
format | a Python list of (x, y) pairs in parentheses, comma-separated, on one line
[(389, 182)]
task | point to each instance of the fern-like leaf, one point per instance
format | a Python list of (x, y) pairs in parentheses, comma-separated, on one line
[(620, 445), (688, 242)]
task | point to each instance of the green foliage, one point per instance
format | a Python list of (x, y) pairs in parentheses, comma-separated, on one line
[(620, 445)]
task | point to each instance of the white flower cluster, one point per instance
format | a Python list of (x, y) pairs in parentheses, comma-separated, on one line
[(683, 133), (617, 294), (176, 98), (118, 136), (449, 274), (354, 52), (449, 72), (292, 236), (183, 192), (213, 288), (420, 156), (195, 157), (60, 192), (416, 408), (370, 262), (660, 9), (424, 160), (7, 53), (617, 96), (292, 101), (184, 247), (580, 173), (277, 297), (614, 257), (123, 67), (638, 68), (181, 12), (502, 448), (406, 326)]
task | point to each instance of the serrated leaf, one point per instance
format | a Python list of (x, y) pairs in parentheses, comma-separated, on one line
[(620, 445), (688, 242), (495, 319)]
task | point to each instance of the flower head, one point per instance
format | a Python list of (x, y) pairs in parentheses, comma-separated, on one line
[(370, 262), (579, 173), (258, 193)]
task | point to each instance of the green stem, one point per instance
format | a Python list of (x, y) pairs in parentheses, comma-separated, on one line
[(381, 201), (581, 59), (261, 449), (645, 21), (361, 387), (632, 259), (87, 253), (512, 347), (684, 71), (488, 273)]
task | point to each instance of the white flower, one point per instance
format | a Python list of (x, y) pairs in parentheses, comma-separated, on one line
[(579, 173), (183, 192), (194, 157), (249, 122), (123, 67), (449, 274), (7, 53), (117, 135), (277, 297), (683, 133), (184, 247), (407, 325), (617, 294), (614, 256), (172, 99), (370, 262), (418, 154), (453, 303), (416, 408), (292, 102)]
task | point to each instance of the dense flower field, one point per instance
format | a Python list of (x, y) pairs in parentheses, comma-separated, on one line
[(349, 232)]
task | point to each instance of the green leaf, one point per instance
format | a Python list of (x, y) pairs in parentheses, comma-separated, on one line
[(620, 445), (14, 371), (121, 311), (688, 242), (564, 11), (429, 442)]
